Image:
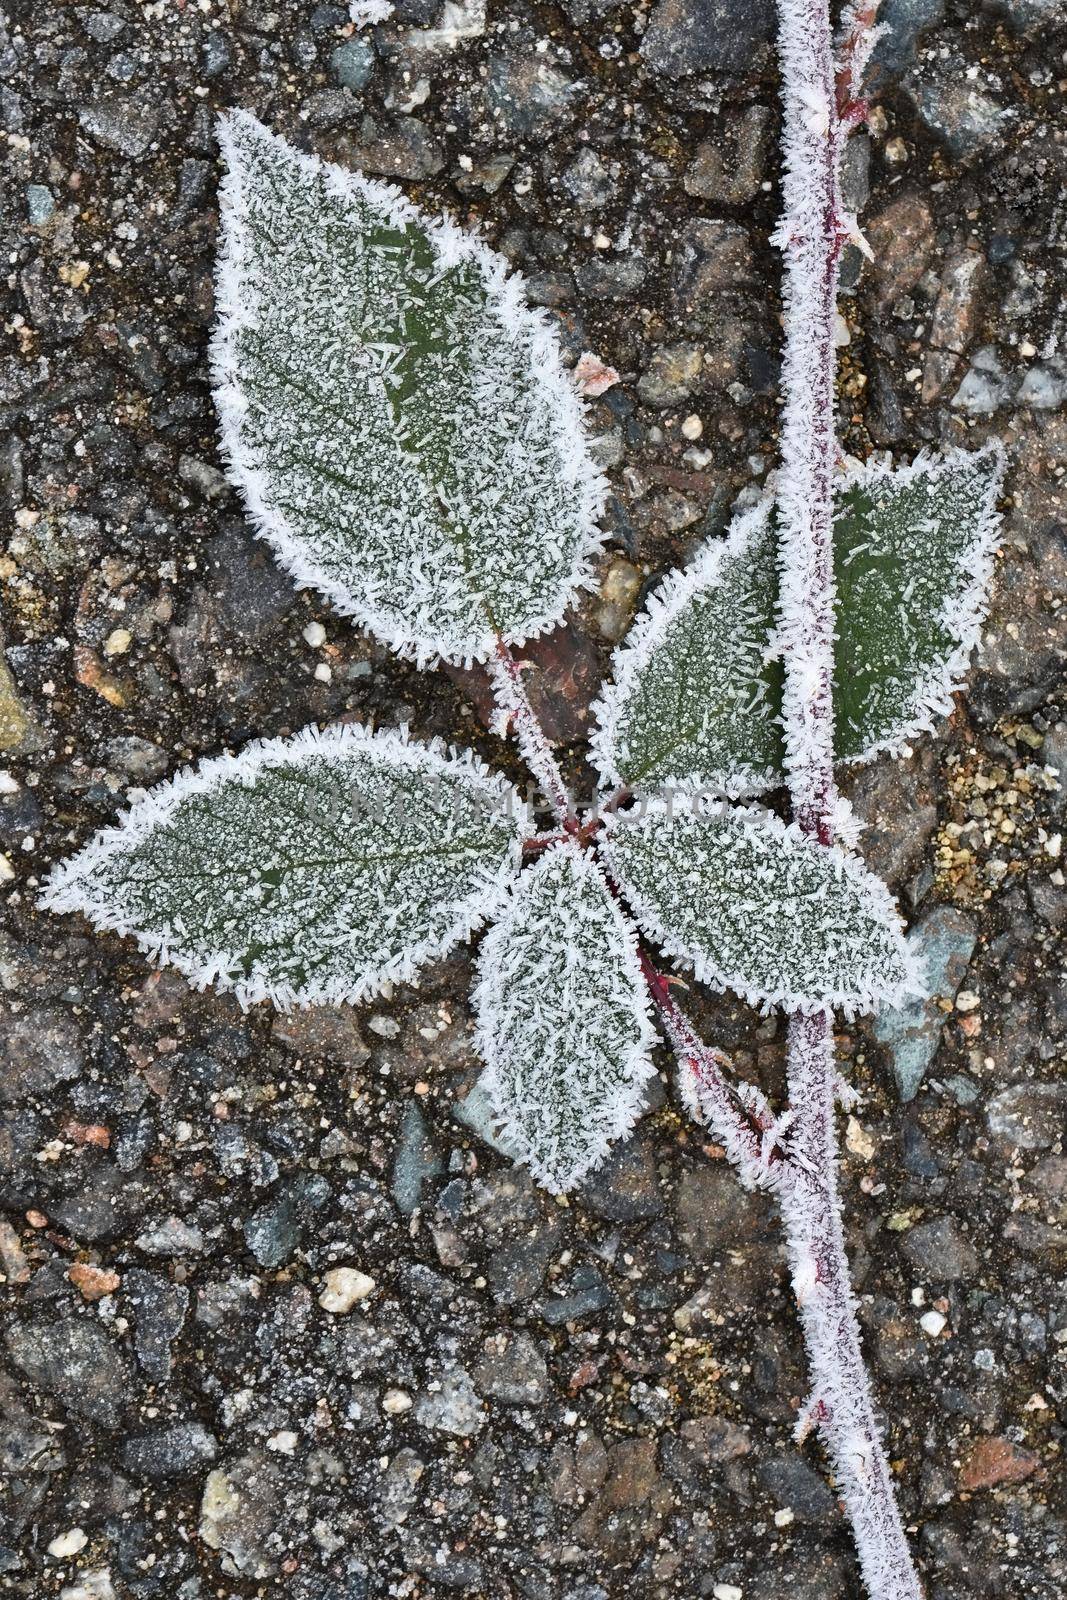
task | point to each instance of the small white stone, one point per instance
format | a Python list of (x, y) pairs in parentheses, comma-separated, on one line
[(395, 1401), (283, 1443), (315, 634), (932, 1322), (692, 427), (323, 673), (727, 1591), (68, 1544), (118, 642), (783, 1518), (8, 783), (344, 1288), (7, 871), (967, 1000)]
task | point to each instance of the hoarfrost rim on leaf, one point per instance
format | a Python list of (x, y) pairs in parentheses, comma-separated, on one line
[(964, 613), (505, 301), (758, 821), (69, 885), (644, 638), (491, 981)]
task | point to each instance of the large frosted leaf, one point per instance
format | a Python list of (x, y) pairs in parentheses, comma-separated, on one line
[(693, 694), (695, 701), (304, 870), (913, 556), (754, 906), (397, 418), (562, 1018)]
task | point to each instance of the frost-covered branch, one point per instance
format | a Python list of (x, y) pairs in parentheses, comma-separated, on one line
[(514, 703), (819, 96)]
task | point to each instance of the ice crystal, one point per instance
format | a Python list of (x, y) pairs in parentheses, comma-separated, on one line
[(697, 694), (562, 1018), (397, 418), (304, 870), (755, 906)]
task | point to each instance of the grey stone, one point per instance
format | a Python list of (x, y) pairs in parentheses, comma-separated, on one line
[(952, 105), (794, 1485), (40, 204), (127, 125), (584, 1294), (903, 21), (589, 181), (513, 1370), (453, 1407), (40, 1049), (398, 1488), (527, 93), (687, 36), (939, 1252), (475, 1111), (402, 148), (178, 1450), (985, 386), (604, 279), (416, 1163), (159, 1309), (669, 378), (75, 1360), (1028, 1116), (242, 1514), (276, 1229), (352, 64), (710, 256), (732, 176), (944, 940), (172, 1236)]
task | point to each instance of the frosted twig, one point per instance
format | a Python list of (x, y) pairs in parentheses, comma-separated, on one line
[(812, 233), (511, 696)]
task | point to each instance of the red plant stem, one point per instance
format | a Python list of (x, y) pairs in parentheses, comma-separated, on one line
[(812, 234), (511, 696), (730, 1123)]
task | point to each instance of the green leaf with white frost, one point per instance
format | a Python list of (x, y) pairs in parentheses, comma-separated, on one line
[(913, 556), (563, 1018), (396, 416), (694, 696), (754, 906), (305, 870), (695, 699)]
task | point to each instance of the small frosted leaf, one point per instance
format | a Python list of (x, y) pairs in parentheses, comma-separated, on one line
[(695, 700), (693, 695), (754, 906), (913, 555), (562, 1018), (304, 870), (397, 418)]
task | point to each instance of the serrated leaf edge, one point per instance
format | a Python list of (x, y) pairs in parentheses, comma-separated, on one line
[(506, 300), (70, 883), (963, 613), (645, 637), (491, 980), (760, 821)]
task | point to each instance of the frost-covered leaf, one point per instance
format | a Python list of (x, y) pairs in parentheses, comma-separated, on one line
[(562, 1018), (305, 870), (397, 418), (756, 907), (695, 701), (913, 555), (693, 695)]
